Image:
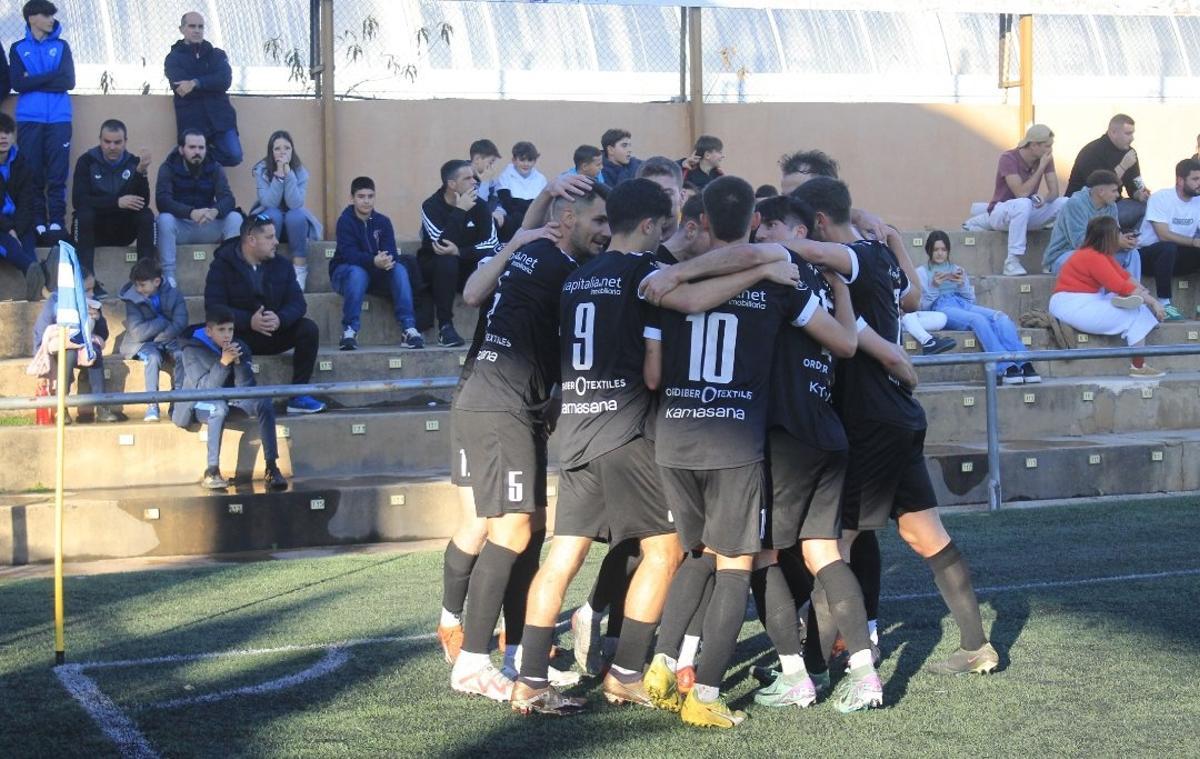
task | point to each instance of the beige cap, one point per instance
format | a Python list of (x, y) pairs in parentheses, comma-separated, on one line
[(1037, 133)]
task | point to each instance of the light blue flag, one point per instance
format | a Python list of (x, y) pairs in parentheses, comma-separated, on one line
[(72, 300)]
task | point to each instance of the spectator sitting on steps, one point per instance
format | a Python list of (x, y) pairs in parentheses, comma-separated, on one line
[(518, 185), (268, 305), (1114, 151), (155, 317), (1016, 205), (18, 243), (1170, 232), (1098, 198), (200, 76), (619, 163), (282, 182)]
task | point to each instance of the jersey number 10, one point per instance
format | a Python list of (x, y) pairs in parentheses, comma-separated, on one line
[(714, 342)]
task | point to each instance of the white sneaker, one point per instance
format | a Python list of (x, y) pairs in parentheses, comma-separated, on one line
[(1013, 267), (1128, 301), (486, 681)]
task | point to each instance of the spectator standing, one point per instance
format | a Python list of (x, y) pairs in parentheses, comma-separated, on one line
[(368, 260), (194, 201), (267, 302), (1016, 205), (456, 231), (1098, 198), (1114, 151), (111, 196), (213, 358), (155, 317), (1095, 295), (1170, 232), (619, 163), (282, 183), (704, 164), (200, 77), (946, 288), (75, 360), (517, 186), (17, 235), (43, 72)]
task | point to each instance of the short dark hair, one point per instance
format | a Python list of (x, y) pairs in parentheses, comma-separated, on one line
[(485, 148), (145, 270), (254, 222), (452, 167), (1185, 167), (729, 206), (191, 133), (630, 203), (114, 125), (785, 208), (1102, 177), (361, 183), (597, 193), (585, 154), (826, 195), (818, 162), (692, 209), (934, 237), (38, 7), (218, 313), (766, 191), (1103, 233), (660, 166), (612, 137), (525, 151), (707, 142), (7, 124), (1121, 119)]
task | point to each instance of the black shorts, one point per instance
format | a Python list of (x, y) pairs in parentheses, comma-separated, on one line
[(887, 476), (806, 491), (723, 509), (614, 497), (460, 471), (506, 456)]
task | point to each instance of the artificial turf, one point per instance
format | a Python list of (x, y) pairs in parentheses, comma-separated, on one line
[(1100, 668)]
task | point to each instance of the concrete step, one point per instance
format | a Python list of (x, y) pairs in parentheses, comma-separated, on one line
[(980, 253), (135, 453), (379, 326)]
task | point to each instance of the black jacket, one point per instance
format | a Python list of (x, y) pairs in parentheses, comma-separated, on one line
[(19, 187), (1100, 153), (179, 191), (230, 282), (99, 184), (472, 231), (207, 107)]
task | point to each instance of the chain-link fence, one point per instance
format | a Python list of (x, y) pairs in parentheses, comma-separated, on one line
[(586, 51)]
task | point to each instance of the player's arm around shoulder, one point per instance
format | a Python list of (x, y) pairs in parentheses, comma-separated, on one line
[(838, 331), (893, 358)]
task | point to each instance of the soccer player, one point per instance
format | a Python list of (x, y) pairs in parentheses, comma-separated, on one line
[(501, 410), (808, 456), (885, 425), (715, 378)]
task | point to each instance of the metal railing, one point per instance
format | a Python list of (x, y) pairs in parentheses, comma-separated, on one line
[(988, 360)]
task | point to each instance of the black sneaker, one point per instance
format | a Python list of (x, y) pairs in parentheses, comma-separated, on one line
[(938, 345), (107, 415), (448, 337), (1013, 376), (1028, 374), (349, 340), (274, 479)]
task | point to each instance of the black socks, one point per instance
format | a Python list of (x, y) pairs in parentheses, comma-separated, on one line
[(845, 601), (777, 609), (516, 594), (953, 578), (868, 566), (722, 623), (485, 594), (684, 596), (535, 655), (456, 575)]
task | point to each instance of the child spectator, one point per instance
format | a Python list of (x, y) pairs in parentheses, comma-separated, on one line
[(484, 155), (1095, 295), (517, 186), (43, 72), (99, 328), (946, 287), (765, 191), (282, 182), (17, 243), (689, 191), (155, 317), (213, 358), (704, 164), (589, 162), (367, 260), (619, 163)]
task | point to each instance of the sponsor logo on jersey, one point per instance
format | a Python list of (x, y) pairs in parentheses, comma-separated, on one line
[(594, 285), (756, 299), (582, 385)]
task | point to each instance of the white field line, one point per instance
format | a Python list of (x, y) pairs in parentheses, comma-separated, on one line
[(113, 722)]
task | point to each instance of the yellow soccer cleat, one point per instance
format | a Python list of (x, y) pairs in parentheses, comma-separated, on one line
[(710, 714), (659, 682)]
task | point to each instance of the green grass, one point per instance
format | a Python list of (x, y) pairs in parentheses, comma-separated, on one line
[(1101, 669)]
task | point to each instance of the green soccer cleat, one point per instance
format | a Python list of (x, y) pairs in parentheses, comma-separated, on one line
[(982, 661), (788, 690), (659, 682), (860, 690), (710, 714)]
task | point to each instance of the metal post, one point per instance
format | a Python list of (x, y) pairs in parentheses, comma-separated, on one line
[(696, 89), (683, 55), (328, 120), (993, 437), (1026, 39)]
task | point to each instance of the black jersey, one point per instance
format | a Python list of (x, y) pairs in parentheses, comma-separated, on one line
[(864, 390), (802, 376), (476, 342), (603, 349), (665, 256), (518, 362), (716, 376)]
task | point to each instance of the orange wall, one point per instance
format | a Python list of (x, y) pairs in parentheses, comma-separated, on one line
[(916, 165)]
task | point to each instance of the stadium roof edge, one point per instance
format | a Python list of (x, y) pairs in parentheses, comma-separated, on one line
[(1063, 7)]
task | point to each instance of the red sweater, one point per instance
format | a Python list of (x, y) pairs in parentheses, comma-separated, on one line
[(1088, 270)]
